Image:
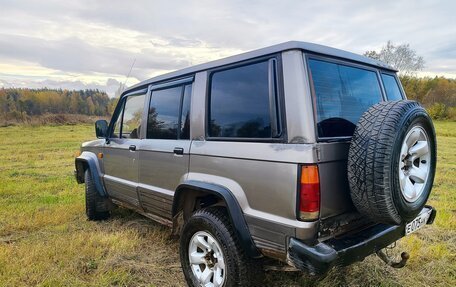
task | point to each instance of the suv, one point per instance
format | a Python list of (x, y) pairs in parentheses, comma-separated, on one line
[(297, 152)]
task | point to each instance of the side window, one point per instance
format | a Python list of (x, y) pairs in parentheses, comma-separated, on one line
[(131, 121), (342, 94), (169, 113), (393, 93), (240, 103), (118, 123), (163, 121)]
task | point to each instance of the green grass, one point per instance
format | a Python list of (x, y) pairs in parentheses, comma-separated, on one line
[(45, 239)]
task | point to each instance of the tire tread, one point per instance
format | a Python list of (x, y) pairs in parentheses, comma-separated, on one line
[(96, 207), (370, 159), (248, 271)]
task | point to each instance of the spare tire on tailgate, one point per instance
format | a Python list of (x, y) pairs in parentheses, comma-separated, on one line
[(391, 161)]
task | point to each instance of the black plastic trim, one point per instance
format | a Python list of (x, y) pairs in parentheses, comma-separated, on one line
[(346, 249), (173, 83), (234, 210), (432, 216), (92, 166)]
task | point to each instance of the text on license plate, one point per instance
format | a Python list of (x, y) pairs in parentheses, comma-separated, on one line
[(417, 223)]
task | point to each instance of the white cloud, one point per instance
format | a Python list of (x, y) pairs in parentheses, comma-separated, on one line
[(86, 43)]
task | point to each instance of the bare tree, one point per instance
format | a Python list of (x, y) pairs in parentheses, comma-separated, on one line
[(401, 57)]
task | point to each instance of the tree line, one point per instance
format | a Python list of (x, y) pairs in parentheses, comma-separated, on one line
[(17, 105), (437, 95)]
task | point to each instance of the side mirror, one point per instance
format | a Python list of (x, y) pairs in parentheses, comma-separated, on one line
[(101, 129)]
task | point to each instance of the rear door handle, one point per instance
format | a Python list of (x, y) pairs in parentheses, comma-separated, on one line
[(132, 148), (178, 151)]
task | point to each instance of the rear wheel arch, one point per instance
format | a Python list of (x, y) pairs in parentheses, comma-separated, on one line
[(193, 195)]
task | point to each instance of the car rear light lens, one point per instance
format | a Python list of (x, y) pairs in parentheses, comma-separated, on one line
[(309, 193)]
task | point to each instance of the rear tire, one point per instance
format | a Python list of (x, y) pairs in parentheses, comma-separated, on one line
[(96, 205), (213, 225), (391, 161)]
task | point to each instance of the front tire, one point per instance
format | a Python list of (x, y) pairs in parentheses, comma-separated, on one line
[(211, 254), (96, 205)]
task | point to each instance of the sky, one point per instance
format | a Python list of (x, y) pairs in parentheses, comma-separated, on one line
[(83, 44)]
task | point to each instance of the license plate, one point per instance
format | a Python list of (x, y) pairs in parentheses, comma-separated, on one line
[(418, 222)]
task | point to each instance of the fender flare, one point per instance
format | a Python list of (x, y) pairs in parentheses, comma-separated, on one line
[(234, 210), (89, 160)]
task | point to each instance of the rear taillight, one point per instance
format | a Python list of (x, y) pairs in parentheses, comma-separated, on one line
[(309, 193)]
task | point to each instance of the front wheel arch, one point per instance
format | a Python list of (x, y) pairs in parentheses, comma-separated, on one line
[(89, 161)]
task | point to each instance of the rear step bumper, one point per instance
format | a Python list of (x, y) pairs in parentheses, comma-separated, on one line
[(348, 249)]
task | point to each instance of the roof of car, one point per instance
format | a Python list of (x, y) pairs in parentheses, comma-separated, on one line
[(290, 45)]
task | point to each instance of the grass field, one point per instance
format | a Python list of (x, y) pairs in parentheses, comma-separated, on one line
[(45, 239)]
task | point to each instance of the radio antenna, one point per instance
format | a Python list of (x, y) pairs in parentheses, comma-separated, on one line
[(128, 75)]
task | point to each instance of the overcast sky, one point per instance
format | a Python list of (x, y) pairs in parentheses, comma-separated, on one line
[(92, 44)]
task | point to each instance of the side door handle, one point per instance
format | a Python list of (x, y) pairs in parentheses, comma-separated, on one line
[(132, 148), (178, 151)]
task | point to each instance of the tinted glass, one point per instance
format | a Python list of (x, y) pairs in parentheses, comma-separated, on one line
[(343, 94), (131, 123), (393, 92), (185, 116), (163, 120), (118, 123), (239, 102)]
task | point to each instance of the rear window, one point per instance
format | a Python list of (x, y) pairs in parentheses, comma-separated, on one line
[(393, 93), (342, 94)]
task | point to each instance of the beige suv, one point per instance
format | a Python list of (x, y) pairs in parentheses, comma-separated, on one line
[(297, 152)]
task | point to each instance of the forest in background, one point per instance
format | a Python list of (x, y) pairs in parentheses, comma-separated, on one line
[(53, 106), (48, 106), (437, 95)]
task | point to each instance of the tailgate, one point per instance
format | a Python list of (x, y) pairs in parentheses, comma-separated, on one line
[(337, 213)]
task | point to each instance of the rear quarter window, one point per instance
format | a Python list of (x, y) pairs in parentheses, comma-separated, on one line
[(393, 92), (342, 94)]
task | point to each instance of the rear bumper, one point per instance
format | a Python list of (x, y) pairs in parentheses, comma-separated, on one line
[(345, 250)]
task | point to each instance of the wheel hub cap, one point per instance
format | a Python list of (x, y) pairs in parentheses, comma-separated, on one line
[(414, 164), (206, 259)]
